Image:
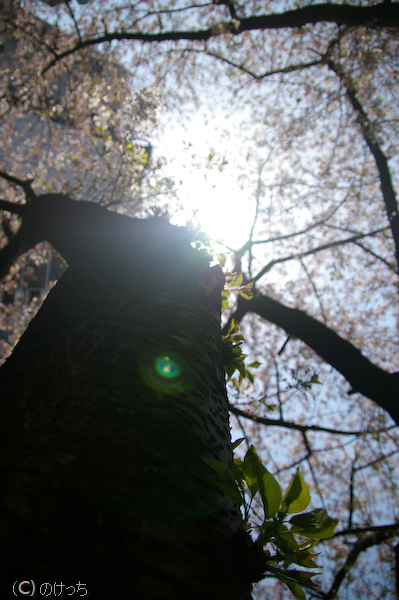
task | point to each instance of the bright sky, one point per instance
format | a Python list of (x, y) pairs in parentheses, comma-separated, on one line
[(224, 211)]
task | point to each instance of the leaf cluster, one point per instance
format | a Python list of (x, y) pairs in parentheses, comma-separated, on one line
[(286, 541), (233, 339), (234, 283)]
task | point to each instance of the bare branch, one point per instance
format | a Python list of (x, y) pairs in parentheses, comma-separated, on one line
[(351, 495), (386, 263), (282, 70), (376, 16), (360, 546), (362, 374), (10, 235), (287, 236), (291, 425), (387, 189), (376, 460), (72, 15), (230, 5), (276, 261), (316, 293), (26, 185), (311, 469), (393, 527)]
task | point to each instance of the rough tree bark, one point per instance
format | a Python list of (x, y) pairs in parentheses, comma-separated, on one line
[(101, 446)]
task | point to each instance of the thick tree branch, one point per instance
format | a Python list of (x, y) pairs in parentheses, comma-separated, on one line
[(291, 425), (379, 15), (376, 16), (393, 527), (74, 228), (12, 207), (370, 138), (363, 375), (384, 534)]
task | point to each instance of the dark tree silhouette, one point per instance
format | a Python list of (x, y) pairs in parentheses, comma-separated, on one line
[(103, 430), (333, 78)]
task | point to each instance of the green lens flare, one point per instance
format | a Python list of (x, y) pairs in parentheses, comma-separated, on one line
[(167, 367), (166, 373)]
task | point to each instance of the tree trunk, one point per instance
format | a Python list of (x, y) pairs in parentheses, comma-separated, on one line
[(109, 402)]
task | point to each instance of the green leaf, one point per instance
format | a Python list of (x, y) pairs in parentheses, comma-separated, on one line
[(254, 365), (221, 259), (241, 368), (233, 327), (250, 471), (288, 537), (224, 480), (259, 479), (230, 368), (299, 578), (237, 443), (297, 496), (208, 287), (303, 578), (230, 489), (246, 291), (267, 532), (296, 589), (271, 494), (308, 544), (314, 524), (284, 546), (249, 376), (220, 468), (305, 559), (237, 469), (237, 281), (237, 337), (246, 295)]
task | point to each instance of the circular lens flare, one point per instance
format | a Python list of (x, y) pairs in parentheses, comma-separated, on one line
[(167, 367), (166, 374)]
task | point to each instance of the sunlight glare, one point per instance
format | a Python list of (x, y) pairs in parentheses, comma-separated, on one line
[(211, 197), (223, 211)]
